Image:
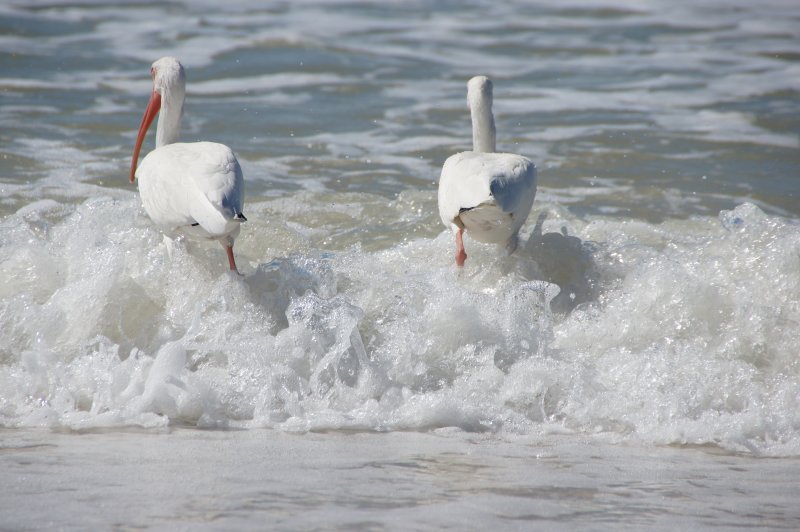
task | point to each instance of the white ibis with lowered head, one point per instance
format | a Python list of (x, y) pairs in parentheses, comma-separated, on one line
[(194, 188), (486, 194)]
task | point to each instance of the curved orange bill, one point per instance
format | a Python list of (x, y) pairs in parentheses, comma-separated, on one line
[(153, 107)]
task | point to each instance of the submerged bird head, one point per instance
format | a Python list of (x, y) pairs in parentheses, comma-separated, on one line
[(169, 92)]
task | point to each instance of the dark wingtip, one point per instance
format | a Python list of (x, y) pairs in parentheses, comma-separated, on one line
[(494, 187), (240, 217)]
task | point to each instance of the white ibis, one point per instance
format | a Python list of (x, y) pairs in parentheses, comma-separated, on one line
[(193, 188), (486, 194)]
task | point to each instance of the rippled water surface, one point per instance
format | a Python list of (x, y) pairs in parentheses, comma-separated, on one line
[(654, 302)]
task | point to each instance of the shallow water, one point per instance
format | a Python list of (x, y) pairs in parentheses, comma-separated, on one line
[(654, 299), (396, 481)]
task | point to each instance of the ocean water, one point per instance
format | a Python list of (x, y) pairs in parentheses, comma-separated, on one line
[(634, 364)]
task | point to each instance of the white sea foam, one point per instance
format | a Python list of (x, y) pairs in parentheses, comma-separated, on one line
[(683, 332)]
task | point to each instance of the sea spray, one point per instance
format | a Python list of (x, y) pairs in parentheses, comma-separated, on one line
[(680, 332)]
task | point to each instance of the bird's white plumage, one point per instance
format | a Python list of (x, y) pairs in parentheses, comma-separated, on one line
[(201, 183), (487, 194)]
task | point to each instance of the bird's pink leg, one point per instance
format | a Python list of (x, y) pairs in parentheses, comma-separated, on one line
[(461, 254), (231, 262)]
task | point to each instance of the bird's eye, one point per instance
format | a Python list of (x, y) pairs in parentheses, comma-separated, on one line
[(152, 72)]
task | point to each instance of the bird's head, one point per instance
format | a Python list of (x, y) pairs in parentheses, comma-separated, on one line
[(169, 79), (169, 91), (479, 92)]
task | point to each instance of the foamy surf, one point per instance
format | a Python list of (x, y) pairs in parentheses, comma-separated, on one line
[(680, 332)]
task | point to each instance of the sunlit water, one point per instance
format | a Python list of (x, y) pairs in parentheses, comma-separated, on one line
[(654, 300)]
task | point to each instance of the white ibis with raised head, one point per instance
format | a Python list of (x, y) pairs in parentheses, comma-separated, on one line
[(194, 188), (486, 194)]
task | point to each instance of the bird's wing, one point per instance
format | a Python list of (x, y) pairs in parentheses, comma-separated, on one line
[(461, 186), (513, 184), (218, 187), (186, 183)]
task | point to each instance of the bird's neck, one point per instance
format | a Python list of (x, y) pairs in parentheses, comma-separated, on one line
[(483, 131), (169, 120)]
